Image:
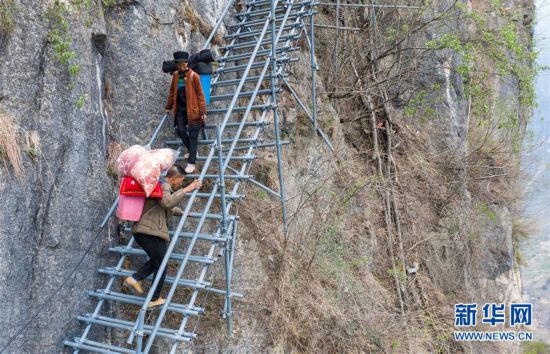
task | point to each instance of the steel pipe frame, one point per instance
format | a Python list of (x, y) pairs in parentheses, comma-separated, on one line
[(114, 205), (267, 11), (256, 32), (249, 148), (251, 44), (124, 322), (137, 300), (234, 125), (274, 97), (229, 196), (96, 347), (221, 176), (186, 213), (222, 166), (369, 5), (274, 104), (235, 189), (205, 237), (300, 103), (232, 82), (260, 185), (255, 65), (234, 158), (174, 257), (102, 301), (245, 94), (237, 109), (190, 283), (149, 343), (210, 142), (193, 298), (241, 56), (257, 22), (108, 322), (165, 116)]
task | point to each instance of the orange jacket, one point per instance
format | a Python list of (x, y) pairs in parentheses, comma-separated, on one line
[(196, 103)]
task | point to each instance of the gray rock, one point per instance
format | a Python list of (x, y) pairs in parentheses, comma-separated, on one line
[(49, 218)]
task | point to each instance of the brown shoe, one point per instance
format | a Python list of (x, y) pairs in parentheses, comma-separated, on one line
[(157, 302), (133, 285)]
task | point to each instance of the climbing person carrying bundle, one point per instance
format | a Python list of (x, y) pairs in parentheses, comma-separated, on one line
[(151, 232), (187, 103)]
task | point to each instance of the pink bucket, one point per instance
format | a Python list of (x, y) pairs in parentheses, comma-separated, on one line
[(130, 208)]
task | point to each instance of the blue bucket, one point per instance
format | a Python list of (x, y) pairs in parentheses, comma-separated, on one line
[(205, 83)]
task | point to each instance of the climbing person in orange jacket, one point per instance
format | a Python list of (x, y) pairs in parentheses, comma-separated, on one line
[(187, 103), (151, 232)]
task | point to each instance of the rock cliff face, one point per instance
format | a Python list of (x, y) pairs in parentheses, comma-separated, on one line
[(111, 92), (49, 216)]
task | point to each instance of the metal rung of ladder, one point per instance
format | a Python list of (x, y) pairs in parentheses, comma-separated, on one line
[(188, 283), (260, 107), (253, 79), (242, 35), (137, 300), (97, 347), (261, 21), (236, 68), (175, 256), (237, 177), (266, 145), (267, 11), (252, 44), (268, 2), (126, 325), (263, 53), (242, 94), (218, 195), (259, 12), (195, 215), (225, 166), (203, 237), (236, 125), (233, 158), (211, 141), (206, 286)]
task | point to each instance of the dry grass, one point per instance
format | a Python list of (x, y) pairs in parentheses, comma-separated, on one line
[(190, 16), (113, 152), (7, 22), (32, 142), (10, 153)]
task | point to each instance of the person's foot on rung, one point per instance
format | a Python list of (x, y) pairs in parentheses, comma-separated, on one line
[(157, 302), (190, 168), (133, 285)]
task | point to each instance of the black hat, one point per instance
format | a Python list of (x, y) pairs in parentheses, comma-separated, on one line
[(181, 57)]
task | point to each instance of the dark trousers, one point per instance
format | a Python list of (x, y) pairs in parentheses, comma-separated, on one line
[(155, 247), (189, 135)]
